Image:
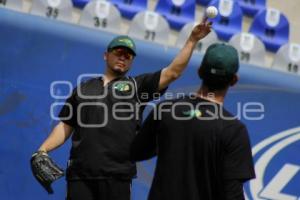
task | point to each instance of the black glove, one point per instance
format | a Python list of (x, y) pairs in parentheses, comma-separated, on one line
[(45, 170)]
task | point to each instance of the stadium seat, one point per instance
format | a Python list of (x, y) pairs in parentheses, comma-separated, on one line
[(203, 2), (149, 25), (251, 49), (202, 44), (272, 27), (252, 7), (101, 15), (129, 8), (12, 4), (229, 20), (54, 9), (177, 12), (287, 58), (80, 3)]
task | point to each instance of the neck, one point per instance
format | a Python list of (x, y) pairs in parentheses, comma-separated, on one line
[(215, 96), (109, 76)]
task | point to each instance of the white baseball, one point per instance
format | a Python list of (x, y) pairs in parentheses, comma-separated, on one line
[(211, 11)]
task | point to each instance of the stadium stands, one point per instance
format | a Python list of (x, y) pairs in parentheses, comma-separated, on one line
[(229, 20), (272, 27), (288, 58), (149, 25), (129, 8), (101, 15), (177, 12), (251, 49), (269, 26), (54, 9)]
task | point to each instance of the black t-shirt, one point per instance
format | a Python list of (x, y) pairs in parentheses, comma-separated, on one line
[(105, 120), (199, 148)]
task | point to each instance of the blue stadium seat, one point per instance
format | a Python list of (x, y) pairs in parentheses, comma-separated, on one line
[(229, 20), (272, 27), (252, 7), (177, 12), (129, 8), (80, 3), (203, 2)]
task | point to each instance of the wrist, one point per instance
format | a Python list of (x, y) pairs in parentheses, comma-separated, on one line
[(192, 40), (42, 150)]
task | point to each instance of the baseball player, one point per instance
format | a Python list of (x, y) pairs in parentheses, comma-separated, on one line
[(203, 153), (99, 166)]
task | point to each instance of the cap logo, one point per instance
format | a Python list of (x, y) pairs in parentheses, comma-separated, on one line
[(127, 42)]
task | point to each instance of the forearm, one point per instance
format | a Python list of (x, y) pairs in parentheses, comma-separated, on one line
[(180, 62), (178, 65), (57, 137)]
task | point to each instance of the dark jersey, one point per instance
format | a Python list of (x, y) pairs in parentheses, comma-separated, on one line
[(199, 147), (105, 120)]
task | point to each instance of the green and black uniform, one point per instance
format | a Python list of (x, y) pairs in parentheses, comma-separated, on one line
[(202, 153), (99, 156)]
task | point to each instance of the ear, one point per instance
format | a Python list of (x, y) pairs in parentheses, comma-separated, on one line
[(105, 56), (234, 80), (200, 72)]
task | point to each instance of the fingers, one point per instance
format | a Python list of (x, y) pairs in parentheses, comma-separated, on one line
[(209, 24), (205, 22)]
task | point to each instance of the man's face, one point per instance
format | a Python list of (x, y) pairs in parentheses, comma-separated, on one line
[(119, 60)]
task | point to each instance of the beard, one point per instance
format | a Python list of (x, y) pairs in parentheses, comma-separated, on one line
[(118, 71)]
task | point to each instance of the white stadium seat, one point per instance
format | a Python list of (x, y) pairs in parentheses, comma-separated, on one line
[(151, 26), (54, 9), (101, 15)]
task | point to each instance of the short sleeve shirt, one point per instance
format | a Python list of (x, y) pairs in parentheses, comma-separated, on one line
[(199, 146), (105, 120)]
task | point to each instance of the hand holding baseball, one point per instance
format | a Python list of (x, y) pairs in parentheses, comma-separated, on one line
[(201, 30)]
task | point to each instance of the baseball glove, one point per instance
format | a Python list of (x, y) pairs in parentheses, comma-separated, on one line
[(45, 170)]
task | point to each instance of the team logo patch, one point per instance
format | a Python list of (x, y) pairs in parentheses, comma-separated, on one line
[(193, 113), (122, 87)]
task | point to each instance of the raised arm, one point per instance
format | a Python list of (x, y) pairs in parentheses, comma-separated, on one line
[(57, 137), (179, 63)]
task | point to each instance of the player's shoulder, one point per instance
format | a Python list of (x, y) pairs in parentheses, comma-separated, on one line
[(233, 125), (90, 82), (87, 84)]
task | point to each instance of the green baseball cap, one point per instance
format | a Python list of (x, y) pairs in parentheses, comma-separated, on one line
[(122, 41), (221, 60)]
